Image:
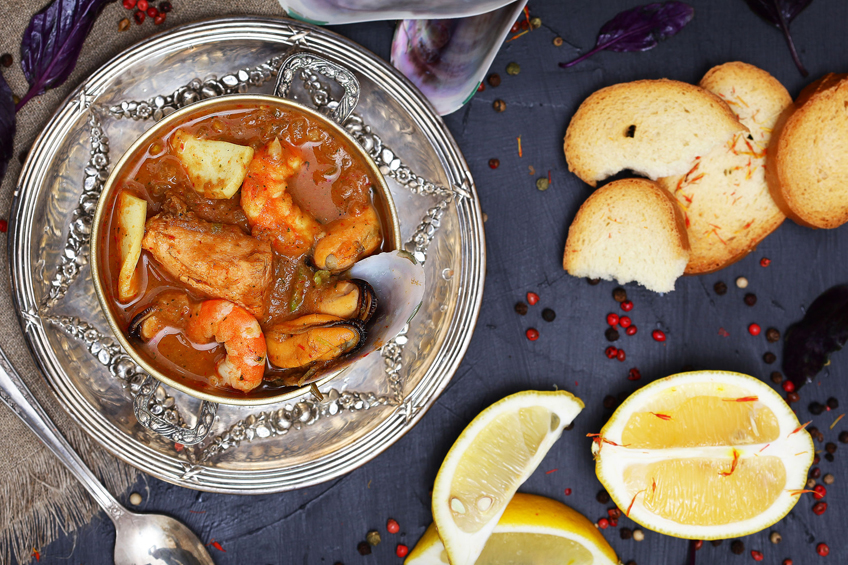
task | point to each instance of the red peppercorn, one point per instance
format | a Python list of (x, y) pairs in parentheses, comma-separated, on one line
[(515, 27), (4, 225), (788, 386), (568, 492), (165, 7), (494, 163), (402, 550), (620, 355), (765, 262), (614, 513), (160, 18), (819, 492), (613, 522), (631, 330), (757, 555), (611, 352), (816, 460), (786, 562), (625, 321), (634, 374), (658, 335), (627, 305), (819, 508), (152, 12), (532, 298), (612, 319), (754, 329), (603, 523), (129, 4), (532, 334), (392, 526), (823, 550), (143, 5), (699, 544), (139, 17), (481, 87)]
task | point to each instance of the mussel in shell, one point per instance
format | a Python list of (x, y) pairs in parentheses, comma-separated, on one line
[(352, 299), (312, 339)]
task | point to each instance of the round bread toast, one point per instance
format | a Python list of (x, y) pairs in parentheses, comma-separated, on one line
[(725, 198), (655, 128), (811, 159), (629, 229)]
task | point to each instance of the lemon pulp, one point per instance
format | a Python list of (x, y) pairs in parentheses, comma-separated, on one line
[(494, 463), (700, 421), (702, 491)]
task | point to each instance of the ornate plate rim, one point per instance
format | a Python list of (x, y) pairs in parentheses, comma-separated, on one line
[(383, 435)]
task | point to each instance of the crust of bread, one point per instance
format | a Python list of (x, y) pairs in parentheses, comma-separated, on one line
[(725, 197), (810, 161), (655, 128), (629, 229)]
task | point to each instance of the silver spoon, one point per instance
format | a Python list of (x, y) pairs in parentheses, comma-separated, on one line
[(139, 538)]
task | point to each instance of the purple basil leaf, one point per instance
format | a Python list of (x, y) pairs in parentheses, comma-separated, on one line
[(780, 13), (7, 125), (52, 43), (640, 28)]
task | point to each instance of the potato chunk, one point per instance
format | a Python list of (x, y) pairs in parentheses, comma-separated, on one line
[(132, 214), (216, 168)]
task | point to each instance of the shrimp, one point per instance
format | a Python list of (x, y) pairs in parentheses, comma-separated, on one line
[(270, 210), (238, 330), (347, 240)]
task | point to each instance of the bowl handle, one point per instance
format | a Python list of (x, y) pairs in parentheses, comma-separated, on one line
[(307, 61), (161, 426)]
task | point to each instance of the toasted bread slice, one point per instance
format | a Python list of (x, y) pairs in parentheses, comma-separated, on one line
[(725, 198), (630, 229), (810, 161), (655, 128)]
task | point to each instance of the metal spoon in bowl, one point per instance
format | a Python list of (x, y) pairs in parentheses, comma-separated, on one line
[(139, 538)]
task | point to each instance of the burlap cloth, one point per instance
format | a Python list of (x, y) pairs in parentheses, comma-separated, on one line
[(38, 498)]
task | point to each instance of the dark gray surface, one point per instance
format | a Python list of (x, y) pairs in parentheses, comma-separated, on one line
[(526, 232)]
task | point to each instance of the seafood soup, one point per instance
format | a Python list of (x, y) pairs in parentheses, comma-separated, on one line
[(224, 249)]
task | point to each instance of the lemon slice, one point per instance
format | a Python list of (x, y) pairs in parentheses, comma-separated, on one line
[(533, 529), (704, 455), (498, 450)]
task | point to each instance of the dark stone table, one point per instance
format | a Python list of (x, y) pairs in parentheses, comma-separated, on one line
[(526, 232)]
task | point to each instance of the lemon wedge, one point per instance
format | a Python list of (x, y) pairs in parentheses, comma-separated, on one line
[(492, 457), (532, 529), (704, 455)]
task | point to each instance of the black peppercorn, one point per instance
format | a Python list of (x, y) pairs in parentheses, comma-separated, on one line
[(494, 79), (832, 403), (6, 60), (816, 408), (610, 402), (603, 497), (165, 7), (737, 547), (611, 334), (829, 457), (593, 282), (843, 437), (772, 335), (499, 105), (520, 308), (815, 433), (626, 533), (619, 294), (720, 288), (750, 299), (548, 315), (830, 447), (769, 357), (631, 562), (716, 542), (363, 548), (569, 427), (776, 377)]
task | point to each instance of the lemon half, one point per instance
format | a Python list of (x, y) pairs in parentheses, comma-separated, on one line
[(533, 529), (704, 455), (492, 457)]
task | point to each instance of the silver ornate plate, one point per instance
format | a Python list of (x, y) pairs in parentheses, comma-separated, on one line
[(278, 447)]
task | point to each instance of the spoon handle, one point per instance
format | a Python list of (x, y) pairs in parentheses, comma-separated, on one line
[(15, 394)]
